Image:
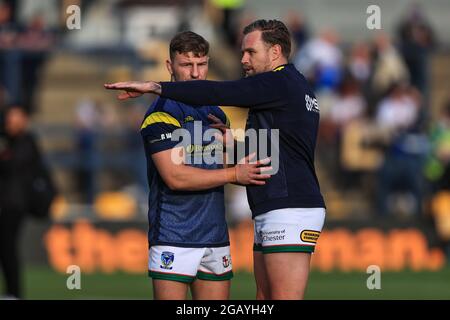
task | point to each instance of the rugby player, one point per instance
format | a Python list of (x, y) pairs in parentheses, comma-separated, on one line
[(188, 235), (289, 210)]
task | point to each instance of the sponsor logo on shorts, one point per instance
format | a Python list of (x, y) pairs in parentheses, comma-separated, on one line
[(310, 236), (167, 260), (226, 261), (273, 235)]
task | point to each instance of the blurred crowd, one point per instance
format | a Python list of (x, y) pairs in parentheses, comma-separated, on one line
[(106, 141), (375, 113), (23, 51)]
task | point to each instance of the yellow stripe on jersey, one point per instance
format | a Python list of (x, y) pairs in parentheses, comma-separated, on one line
[(228, 123), (158, 117), (278, 69)]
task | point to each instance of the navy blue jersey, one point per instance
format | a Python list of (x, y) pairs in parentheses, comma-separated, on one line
[(281, 99), (183, 218)]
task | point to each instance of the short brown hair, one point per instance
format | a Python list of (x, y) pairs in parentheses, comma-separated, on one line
[(273, 32), (188, 41)]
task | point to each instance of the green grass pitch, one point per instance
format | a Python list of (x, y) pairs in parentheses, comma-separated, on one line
[(43, 283)]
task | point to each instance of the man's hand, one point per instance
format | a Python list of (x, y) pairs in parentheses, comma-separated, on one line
[(226, 137), (134, 89), (252, 173)]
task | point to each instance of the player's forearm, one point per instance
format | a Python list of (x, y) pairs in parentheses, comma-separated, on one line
[(227, 162), (194, 179), (248, 92), (234, 153)]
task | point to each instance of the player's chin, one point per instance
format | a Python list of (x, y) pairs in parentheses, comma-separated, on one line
[(249, 73)]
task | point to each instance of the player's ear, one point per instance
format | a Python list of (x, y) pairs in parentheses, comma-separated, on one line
[(275, 52), (169, 67)]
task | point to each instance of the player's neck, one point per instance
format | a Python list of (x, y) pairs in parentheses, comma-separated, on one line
[(278, 62)]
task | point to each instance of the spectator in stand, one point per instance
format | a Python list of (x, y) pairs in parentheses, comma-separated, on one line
[(350, 103), (349, 106), (389, 67), (299, 31), (87, 130), (19, 155), (416, 41), (35, 41), (437, 172), (134, 152), (8, 30), (321, 60), (438, 164), (22, 54), (360, 64), (398, 114), (2, 109), (10, 57), (230, 9)]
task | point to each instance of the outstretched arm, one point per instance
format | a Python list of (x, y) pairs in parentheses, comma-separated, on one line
[(264, 90), (134, 89)]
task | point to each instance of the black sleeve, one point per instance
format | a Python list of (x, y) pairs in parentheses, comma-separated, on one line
[(262, 91)]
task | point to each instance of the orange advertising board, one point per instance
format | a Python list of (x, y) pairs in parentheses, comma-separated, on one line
[(98, 250)]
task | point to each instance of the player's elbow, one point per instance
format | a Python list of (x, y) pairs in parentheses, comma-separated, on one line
[(177, 187), (173, 177), (175, 183)]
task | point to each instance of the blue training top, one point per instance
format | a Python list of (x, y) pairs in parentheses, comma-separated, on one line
[(280, 99), (183, 218)]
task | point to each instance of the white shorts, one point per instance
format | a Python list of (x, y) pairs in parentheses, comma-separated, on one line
[(188, 264), (288, 230)]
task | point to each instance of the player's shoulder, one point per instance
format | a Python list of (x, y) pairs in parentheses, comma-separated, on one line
[(163, 110), (279, 77), (299, 81), (166, 106), (288, 70)]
